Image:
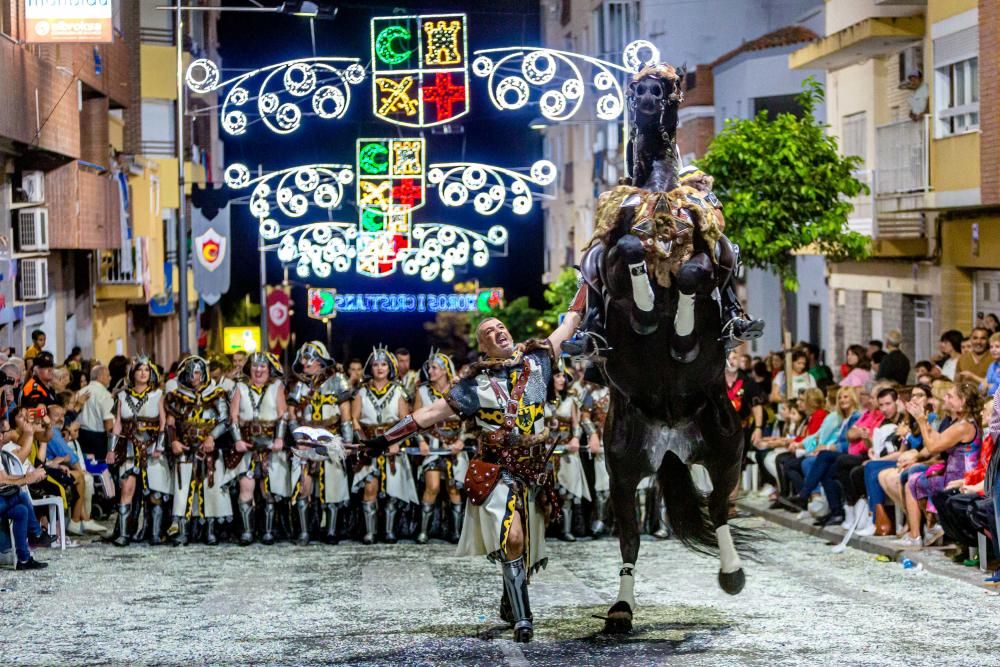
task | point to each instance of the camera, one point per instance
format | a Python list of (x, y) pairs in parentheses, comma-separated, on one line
[(5, 379)]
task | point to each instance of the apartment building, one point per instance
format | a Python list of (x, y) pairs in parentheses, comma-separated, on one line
[(60, 200), (89, 201), (930, 159)]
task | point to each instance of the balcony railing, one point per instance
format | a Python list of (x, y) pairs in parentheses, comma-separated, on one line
[(113, 269), (902, 150), (902, 178), (861, 219)]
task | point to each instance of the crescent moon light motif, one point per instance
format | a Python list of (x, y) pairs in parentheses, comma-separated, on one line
[(373, 159), (384, 44)]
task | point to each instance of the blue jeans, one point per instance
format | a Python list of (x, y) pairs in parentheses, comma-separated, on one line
[(874, 490), (815, 468), (18, 509)]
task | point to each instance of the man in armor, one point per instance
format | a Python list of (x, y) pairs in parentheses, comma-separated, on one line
[(197, 416), (407, 377), (136, 443), (320, 397), (562, 412), (440, 373), (507, 483), (379, 403), (258, 407)]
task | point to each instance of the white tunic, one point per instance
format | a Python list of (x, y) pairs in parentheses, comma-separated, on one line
[(158, 476), (191, 499), (380, 411), (260, 404), (323, 407), (449, 430), (570, 475)]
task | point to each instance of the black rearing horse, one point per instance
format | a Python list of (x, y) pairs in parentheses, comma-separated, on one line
[(665, 364)]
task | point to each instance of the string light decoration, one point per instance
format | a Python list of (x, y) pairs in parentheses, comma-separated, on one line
[(420, 69), (512, 73), (440, 248), (291, 190), (319, 248), (321, 85), (455, 181)]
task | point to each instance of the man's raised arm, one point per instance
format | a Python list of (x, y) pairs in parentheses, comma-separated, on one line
[(570, 323), (411, 424)]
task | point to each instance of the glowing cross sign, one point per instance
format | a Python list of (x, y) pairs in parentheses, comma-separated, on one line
[(420, 69), (390, 186)]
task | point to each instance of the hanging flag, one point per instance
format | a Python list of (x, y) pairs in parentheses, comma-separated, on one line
[(279, 321), (210, 237)]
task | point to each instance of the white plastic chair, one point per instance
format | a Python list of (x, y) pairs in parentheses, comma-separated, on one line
[(56, 511)]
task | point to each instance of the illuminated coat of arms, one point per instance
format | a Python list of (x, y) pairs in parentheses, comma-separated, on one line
[(390, 186), (420, 69)]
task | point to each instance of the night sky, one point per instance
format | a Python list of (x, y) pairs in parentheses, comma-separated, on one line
[(503, 139)]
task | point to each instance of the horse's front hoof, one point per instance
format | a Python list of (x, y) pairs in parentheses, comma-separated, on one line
[(523, 632), (732, 582), (619, 620)]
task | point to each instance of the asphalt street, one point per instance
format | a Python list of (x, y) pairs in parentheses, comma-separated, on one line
[(413, 605)]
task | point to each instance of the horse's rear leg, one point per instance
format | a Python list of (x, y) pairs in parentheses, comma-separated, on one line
[(619, 619), (722, 458)]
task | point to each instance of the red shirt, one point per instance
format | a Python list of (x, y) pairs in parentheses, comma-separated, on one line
[(812, 426)]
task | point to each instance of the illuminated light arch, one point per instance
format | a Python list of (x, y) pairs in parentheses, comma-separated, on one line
[(324, 84), (512, 73), (456, 181), (291, 191)]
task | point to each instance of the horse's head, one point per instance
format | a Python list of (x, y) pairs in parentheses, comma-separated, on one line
[(654, 95)]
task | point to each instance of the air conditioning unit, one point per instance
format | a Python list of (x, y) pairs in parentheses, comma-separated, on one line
[(33, 279), (32, 230), (33, 185)]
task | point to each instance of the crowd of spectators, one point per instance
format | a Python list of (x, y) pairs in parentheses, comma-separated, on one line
[(884, 446), (53, 420)]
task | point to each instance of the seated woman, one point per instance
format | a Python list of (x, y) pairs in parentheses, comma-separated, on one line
[(960, 443), (829, 444), (817, 417), (962, 508)]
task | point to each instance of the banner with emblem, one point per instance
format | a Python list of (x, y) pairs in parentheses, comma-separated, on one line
[(279, 321), (210, 240), (420, 69)]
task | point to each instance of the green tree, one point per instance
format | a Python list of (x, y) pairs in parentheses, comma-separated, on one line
[(559, 295), (785, 188)]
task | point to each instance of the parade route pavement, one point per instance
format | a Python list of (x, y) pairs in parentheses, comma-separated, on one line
[(413, 605)]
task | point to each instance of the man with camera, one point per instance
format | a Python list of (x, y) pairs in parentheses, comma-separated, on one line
[(15, 504)]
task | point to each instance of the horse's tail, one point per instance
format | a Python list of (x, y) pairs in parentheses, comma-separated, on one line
[(687, 512), (687, 509)]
